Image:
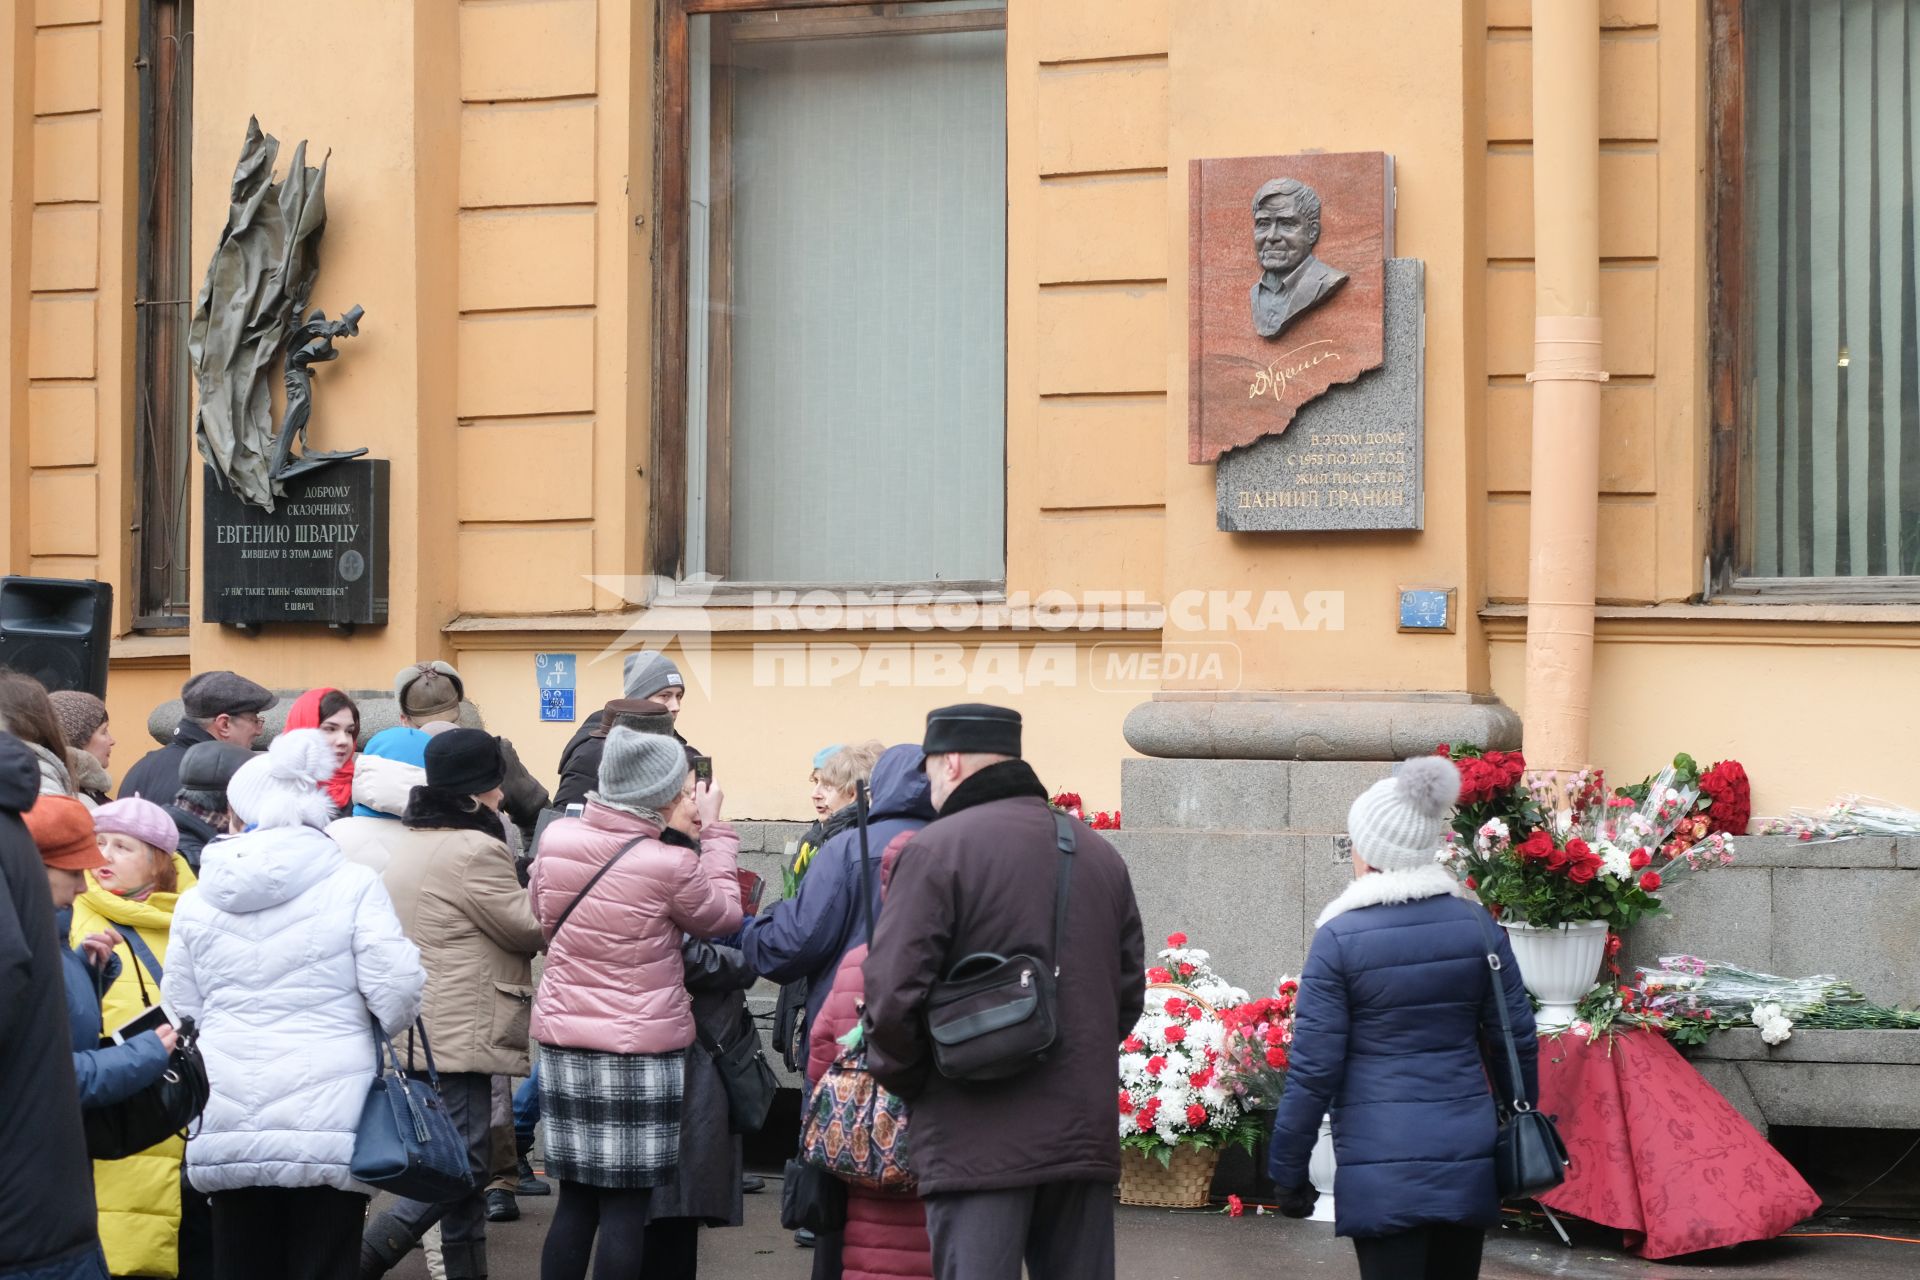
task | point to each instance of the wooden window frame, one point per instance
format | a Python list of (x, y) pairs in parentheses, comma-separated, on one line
[(163, 298), (1729, 339), (666, 535)]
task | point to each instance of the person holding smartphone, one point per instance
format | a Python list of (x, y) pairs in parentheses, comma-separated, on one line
[(133, 894)]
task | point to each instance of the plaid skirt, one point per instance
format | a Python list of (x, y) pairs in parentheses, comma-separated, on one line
[(611, 1119)]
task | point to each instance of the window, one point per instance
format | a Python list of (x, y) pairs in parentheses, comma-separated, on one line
[(841, 275), (163, 302), (1817, 387)]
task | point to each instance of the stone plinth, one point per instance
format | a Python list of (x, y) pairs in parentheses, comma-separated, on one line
[(1850, 908)]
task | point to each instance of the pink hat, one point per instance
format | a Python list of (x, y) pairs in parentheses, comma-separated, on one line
[(142, 819)]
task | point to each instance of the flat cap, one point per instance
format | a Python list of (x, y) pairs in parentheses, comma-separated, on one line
[(215, 693), (429, 689), (975, 728), (210, 766)]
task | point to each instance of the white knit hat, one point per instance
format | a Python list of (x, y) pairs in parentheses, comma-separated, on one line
[(1399, 823), (281, 788)]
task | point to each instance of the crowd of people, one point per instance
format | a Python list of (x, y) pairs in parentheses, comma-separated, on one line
[(293, 913)]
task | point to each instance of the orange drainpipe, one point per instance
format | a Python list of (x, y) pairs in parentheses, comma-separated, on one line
[(1565, 510)]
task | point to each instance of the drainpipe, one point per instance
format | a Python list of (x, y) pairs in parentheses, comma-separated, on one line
[(1566, 378)]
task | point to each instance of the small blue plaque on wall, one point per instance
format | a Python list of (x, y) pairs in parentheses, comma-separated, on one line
[(555, 673), (1426, 609)]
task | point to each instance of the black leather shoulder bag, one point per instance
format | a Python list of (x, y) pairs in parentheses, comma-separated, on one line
[(997, 1016), (1528, 1156)]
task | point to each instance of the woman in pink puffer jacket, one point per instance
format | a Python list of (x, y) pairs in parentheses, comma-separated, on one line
[(612, 1014)]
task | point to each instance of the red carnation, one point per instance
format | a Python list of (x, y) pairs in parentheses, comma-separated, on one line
[(1613, 944), (1727, 787), (1277, 1058), (1201, 1079), (1176, 1034), (1176, 939), (1639, 858), (1187, 970), (1156, 1064), (1143, 1119), (1133, 1044), (1126, 1103), (1235, 1206), (1176, 1007), (1067, 800), (1196, 1115), (1471, 883), (1157, 974), (1650, 881)]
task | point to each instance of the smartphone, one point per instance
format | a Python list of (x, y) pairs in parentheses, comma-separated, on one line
[(152, 1018), (702, 768)]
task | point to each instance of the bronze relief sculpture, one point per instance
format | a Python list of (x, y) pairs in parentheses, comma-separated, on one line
[(1286, 227)]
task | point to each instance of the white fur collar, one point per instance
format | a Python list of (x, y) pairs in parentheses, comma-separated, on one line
[(1385, 887)]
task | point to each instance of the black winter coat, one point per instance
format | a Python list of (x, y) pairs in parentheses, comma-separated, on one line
[(580, 761), (981, 878), (47, 1223), (706, 1183), (156, 776), (1396, 1009)]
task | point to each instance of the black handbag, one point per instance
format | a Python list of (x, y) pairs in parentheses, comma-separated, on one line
[(167, 1107), (406, 1143), (1528, 1156), (811, 1199), (745, 1074), (996, 1016)]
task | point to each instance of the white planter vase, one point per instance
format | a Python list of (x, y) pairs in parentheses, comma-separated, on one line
[(1559, 965), (1320, 1167)]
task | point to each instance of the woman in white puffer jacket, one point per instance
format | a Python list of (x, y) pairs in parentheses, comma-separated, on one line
[(284, 955)]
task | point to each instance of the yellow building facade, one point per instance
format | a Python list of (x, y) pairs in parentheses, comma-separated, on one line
[(503, 203)]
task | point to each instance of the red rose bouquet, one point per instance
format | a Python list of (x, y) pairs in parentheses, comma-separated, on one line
[(1258, 1046), (1569, 851)]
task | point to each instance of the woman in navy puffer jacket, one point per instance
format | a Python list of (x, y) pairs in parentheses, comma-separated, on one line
[(1395, 1006)]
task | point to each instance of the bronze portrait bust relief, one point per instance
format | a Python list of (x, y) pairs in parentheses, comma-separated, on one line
[(1286, 227)]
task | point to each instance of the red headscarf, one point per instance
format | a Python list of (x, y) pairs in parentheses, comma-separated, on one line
[(305, 714)]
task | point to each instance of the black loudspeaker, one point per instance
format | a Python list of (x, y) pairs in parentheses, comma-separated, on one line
[(57, 630)]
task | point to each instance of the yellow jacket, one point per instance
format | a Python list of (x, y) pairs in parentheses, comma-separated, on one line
[(139, 1196)]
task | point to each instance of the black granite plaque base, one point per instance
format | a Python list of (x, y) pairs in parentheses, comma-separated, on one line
[(319, 556)]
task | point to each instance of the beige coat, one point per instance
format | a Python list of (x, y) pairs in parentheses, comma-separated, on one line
[(460, 903)]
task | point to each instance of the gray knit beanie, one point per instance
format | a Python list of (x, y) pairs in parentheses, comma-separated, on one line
[(648, 672), (1400, 823), (642, 770)]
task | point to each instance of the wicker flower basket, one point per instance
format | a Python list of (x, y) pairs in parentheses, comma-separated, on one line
[(1182, 1184)]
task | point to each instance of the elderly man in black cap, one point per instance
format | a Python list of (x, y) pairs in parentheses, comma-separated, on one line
[(1019, 1170), (220, 707), (199, 807)]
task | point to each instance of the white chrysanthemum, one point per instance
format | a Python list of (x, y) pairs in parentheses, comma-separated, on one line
[(1133, 1065), (1615, 861), (1776, 1030), (1215, 1096)]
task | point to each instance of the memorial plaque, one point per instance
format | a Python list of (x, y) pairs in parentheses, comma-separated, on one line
[(1353, 459), (320, 556), (1286, 288)]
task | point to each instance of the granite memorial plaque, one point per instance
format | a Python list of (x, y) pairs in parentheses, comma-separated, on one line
[(319, 556), (1286, 288), (1352, 459)]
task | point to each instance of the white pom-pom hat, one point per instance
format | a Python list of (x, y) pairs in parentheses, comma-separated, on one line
[(281, 788), (1399, 823)]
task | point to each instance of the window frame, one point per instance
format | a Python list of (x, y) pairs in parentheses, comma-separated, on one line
[(1729, 341), (162, 290), (667, 468)]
